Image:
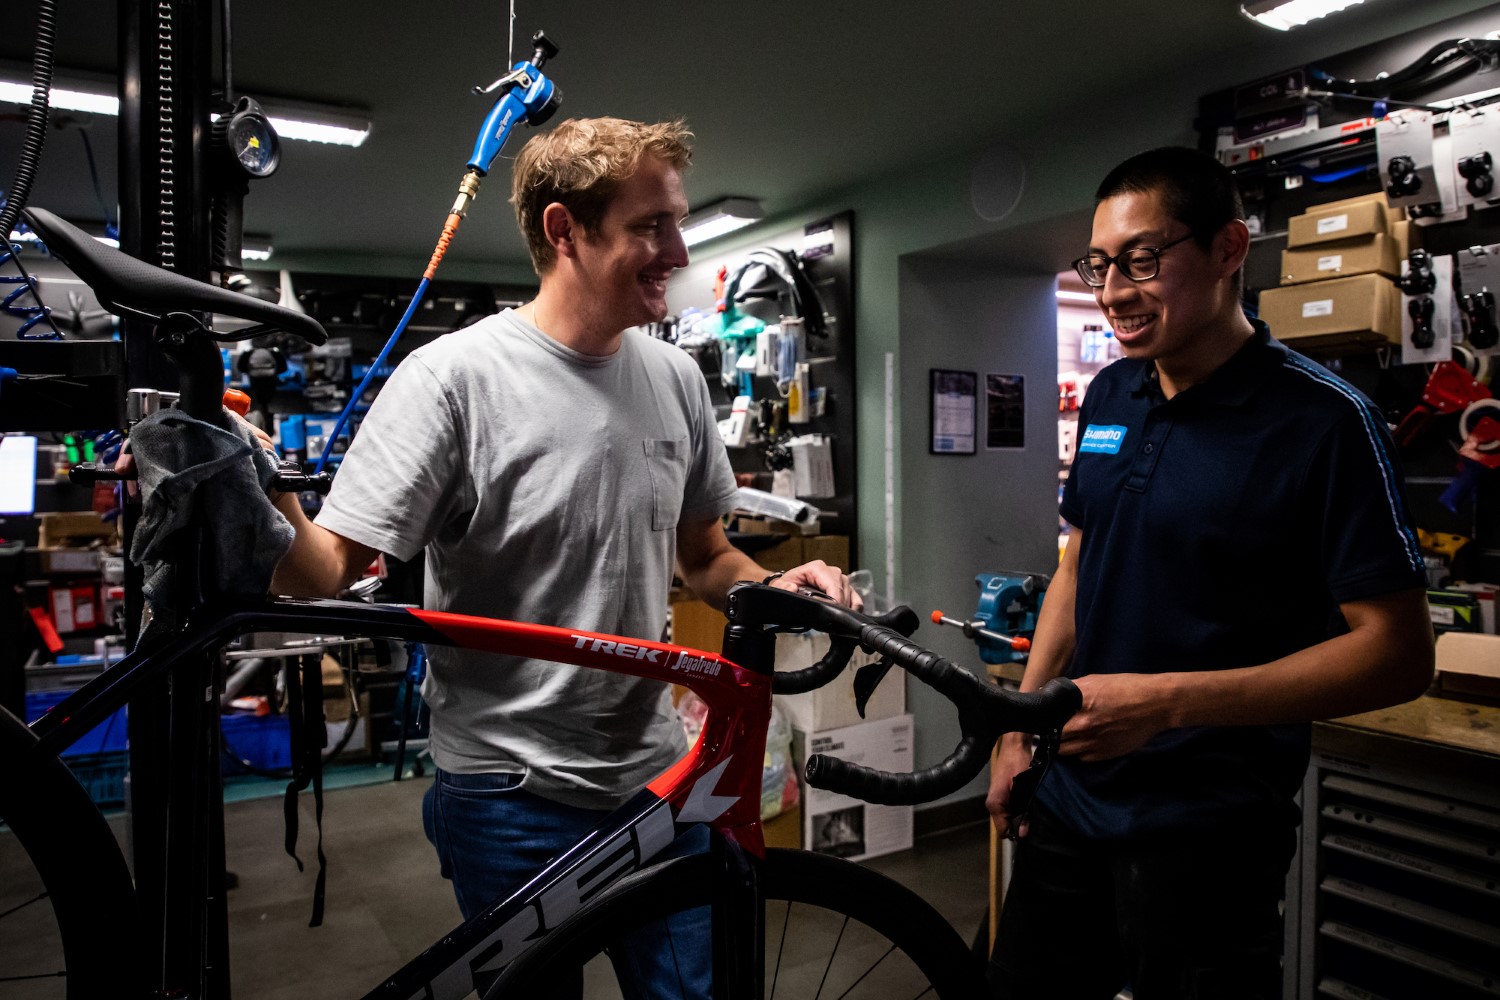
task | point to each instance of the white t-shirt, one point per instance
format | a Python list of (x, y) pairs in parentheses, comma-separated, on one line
[(546, 486)]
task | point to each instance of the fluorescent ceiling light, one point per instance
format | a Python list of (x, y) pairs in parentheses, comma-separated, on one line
[(30, 237), (1283, 15), (61, 98), (255, 250), (1063, 295), (317, 122), (338, 135), (723, 216), (291, 119)]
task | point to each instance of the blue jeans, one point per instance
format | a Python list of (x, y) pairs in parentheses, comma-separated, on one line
[(491, 836)]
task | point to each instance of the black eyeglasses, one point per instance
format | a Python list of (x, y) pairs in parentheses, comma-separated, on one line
[(1137, 263)]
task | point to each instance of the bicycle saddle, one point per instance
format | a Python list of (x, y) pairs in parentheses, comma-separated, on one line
[(126, 285)]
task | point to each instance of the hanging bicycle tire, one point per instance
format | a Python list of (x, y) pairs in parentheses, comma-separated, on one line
[(66, 891), (833, 929)]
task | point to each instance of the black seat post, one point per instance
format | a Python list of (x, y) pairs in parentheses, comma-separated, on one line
[(200, 366)]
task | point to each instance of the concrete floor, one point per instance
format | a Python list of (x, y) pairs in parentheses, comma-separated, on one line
[(386, 902)]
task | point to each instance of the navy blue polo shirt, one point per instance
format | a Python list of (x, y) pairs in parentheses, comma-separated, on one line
[(1221, 528)]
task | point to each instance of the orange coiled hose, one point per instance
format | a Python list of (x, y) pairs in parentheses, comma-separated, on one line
[(449, 229)]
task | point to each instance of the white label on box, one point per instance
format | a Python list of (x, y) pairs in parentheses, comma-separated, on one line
[(1317, 307), (62, 610), (1441, 615), (845, 827), (1333, 224), (1333, 262)]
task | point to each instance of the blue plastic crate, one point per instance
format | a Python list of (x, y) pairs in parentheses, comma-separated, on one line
[(108, 737), (102, 776), (264, 740)]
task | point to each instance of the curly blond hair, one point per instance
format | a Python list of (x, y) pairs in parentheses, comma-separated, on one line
[(581, 164)]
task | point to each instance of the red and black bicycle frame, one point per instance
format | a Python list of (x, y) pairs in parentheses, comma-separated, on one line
[(718, 782)]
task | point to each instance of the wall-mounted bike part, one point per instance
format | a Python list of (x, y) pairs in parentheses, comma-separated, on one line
[(1407, 156), (1423, 335), (1478, 174), (1419, 278), (1404, 179), (1479, 319)]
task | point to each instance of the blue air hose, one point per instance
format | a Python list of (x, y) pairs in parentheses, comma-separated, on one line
[(411, 310)]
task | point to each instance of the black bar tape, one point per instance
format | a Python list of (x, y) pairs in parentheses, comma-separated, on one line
[(984, 712), (810, 678), (837, 657), (890, 789)]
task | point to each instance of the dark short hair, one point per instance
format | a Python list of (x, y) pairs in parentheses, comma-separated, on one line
[(1196, 189)]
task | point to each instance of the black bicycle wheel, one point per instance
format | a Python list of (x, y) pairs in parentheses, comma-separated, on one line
[(833, 929), (67, 916)]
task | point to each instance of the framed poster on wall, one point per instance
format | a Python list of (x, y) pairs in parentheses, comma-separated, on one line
[(1005, 411), (954, 409)]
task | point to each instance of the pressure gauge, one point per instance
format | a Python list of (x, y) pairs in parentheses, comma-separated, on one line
[(250, 139), (243, 147)]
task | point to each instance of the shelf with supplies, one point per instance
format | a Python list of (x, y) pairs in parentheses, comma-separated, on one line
[(779, 360)]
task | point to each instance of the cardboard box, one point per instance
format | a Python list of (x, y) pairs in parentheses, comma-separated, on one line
[(1486, 594), (832, 549), (845, 827), (1363, 255), (784, 829), (1364, 310), (832, 705), (794, 550), (1406, 236), (747, 525), (1392, 214), (783, 555), (697, 625), (1469, 663), (1455, 611), (1325, 225), (61, 560), (336, 705), (73, 529)]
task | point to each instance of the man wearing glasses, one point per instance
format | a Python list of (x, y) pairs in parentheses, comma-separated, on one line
[(1241, 562)]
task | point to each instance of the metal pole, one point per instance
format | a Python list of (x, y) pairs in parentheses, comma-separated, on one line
[(165, 68)]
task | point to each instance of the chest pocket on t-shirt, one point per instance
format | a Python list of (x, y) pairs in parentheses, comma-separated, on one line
[(666, 461)]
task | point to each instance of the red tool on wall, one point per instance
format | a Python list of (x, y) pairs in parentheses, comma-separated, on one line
[(1450, 389), (1480, 453)]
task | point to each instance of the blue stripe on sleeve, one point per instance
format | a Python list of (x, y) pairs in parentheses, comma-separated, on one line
[(1382, 456)]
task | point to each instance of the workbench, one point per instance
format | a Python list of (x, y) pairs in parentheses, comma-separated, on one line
[(1395, 888)]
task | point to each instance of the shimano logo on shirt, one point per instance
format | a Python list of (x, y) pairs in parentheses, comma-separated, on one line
[(1102, 440)]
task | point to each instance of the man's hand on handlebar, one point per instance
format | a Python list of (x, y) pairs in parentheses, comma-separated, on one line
[(818, 575), (1120, 713), (1013, 759)]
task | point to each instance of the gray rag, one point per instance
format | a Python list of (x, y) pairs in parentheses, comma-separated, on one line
[(185, 465)]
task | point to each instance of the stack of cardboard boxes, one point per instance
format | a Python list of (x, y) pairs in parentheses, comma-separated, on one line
[(1336, 290)]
